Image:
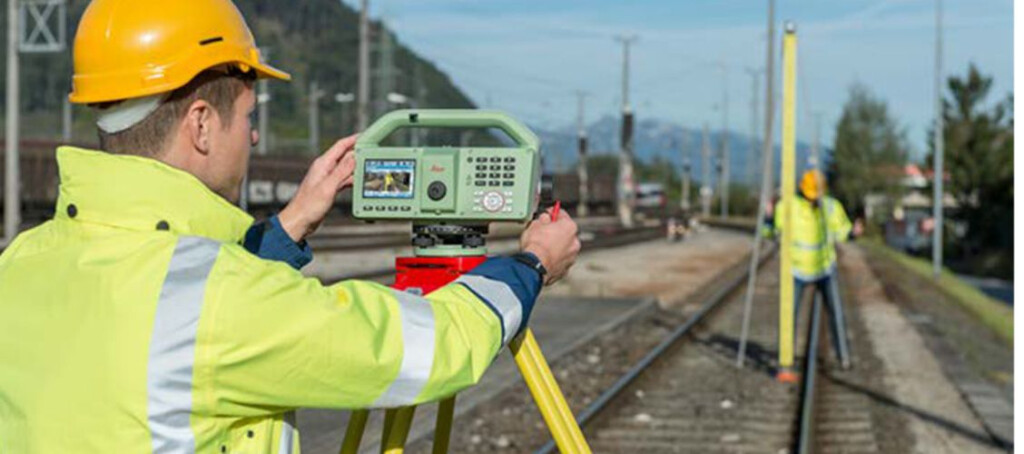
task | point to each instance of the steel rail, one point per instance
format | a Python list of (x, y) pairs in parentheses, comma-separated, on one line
[(805, 436), (601, 402)]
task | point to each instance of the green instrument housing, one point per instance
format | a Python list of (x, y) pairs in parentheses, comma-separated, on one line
[(446, 185)]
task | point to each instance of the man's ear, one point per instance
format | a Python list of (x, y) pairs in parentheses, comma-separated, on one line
[(199, 122)]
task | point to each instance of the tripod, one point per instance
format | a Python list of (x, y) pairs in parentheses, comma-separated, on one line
[(442, 253)]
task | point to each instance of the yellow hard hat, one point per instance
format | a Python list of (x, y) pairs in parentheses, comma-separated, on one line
[(132, 48), (812, 184)]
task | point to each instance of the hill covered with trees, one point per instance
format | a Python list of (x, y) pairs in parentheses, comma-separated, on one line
[(315, 40)]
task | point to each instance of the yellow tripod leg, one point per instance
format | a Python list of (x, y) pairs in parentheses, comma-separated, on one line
[(354, 432), (397, 431), (443, 428), (548, 395)]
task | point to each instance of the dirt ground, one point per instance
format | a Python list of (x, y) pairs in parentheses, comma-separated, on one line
[(669, 271)]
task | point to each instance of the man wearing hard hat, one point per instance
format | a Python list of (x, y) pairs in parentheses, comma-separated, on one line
[(150, 315), (813, 251)]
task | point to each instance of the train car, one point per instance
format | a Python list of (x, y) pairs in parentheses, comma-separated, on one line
[(273, 181)]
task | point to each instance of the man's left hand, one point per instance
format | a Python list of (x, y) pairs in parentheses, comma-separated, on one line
[(329, 174)]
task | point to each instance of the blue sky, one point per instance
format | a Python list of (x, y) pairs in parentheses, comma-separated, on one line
[(529, 56)]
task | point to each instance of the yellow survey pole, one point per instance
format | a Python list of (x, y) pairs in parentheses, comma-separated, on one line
[(788, 183)]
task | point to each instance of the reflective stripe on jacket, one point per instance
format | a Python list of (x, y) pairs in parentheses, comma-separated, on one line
[(134, 321), (813, 256)]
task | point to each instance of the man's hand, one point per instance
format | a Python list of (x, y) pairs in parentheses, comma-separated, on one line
[(553, 242), (329, 174)]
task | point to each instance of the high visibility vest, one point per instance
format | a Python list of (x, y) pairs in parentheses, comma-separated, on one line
[(134, 322), (813, 254)]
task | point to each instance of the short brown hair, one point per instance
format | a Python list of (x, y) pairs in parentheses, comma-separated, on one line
[(149, 137)]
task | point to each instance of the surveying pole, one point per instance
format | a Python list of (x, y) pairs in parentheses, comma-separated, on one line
[(626, 183), (581, 165), (786, 316), (12, 187), (705, 178), (939, 139)]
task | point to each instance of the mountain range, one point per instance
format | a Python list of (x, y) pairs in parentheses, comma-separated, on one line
[(656, 138)]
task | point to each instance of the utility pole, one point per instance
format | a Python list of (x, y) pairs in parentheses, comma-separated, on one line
[(263, 103), (755, 96), (66, 121), (581, 164), (937, 197), (724, 143), (416, 135), (315, 93), (626, 183), (12, 190), (263, 99), (767, 166), (685, 193), (705, 183), (385, 61), (363, 92), (344, 99), (767, 147), (815, 160)]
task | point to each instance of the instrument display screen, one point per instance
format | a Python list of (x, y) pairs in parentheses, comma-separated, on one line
[(389, 179)]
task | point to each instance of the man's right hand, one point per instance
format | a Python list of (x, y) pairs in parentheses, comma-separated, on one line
[(553, 242), (329, 174)]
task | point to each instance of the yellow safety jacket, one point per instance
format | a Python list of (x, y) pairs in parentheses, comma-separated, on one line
[(134, 322), (814, 254)]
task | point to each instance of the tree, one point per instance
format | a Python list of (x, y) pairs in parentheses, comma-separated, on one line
[(979, 165), (869, 153)]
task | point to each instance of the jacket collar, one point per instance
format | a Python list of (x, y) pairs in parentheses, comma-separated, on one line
[(137, 193)]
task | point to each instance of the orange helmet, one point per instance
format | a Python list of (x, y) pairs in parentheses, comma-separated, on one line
[(131, 48), (812, 184)]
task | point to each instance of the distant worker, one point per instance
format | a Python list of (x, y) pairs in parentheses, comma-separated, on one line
[(813, 251), (151, 315)]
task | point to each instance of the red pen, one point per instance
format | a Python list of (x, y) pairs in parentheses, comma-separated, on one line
[(555, 209)]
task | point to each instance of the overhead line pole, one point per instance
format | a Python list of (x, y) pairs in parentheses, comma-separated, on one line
[(937, 197), (315, 93), (752, 161), (263, 104), (724, 144), (385, 64), (626, 183), (705, 164), (581, 165), (363, 91), (767, 168), (12, 194), (684, 149), (66, 121)]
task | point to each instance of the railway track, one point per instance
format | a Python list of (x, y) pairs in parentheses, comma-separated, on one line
[(341, 242), (834, 417), (686, 395), (590, 241)]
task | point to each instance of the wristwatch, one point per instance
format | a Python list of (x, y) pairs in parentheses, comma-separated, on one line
[(531, 261)]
